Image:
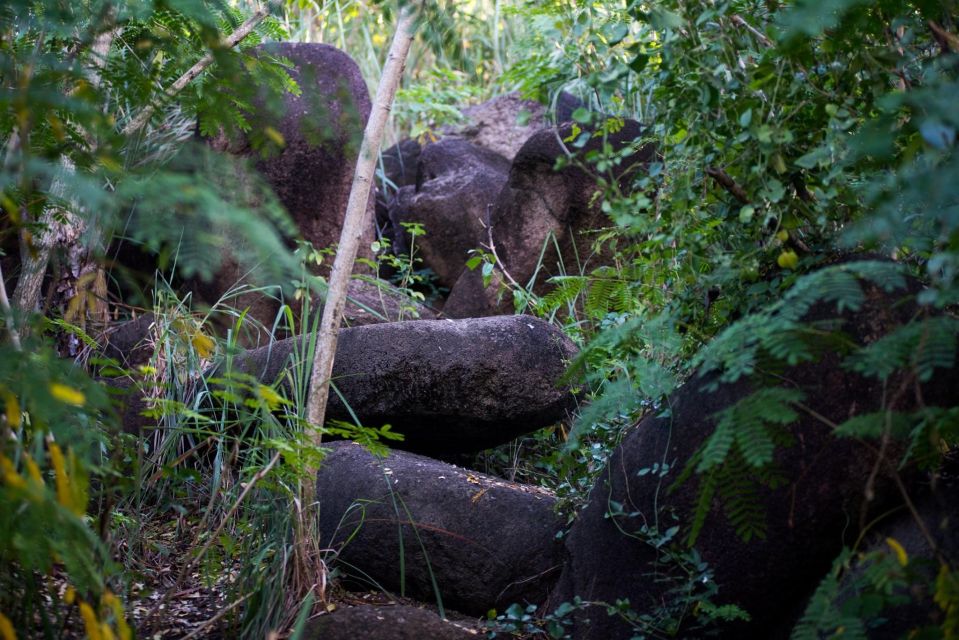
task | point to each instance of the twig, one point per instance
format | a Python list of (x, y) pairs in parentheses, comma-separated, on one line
[(203, 625), (492, 249), (948, 41), (14, 339), (917, 518), (156, 476), (738, 20), (229, 514), (726, 182), (235, 38)]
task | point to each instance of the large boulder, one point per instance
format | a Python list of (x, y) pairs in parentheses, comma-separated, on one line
[(129, 343), (456, 185), (398, 164), (541, 209), (891, 595), (135, 342), (437, 531), (396, 622), (827, 488), (312, 171), (500, 125), (322, 129), (449, 387), (504, 123)]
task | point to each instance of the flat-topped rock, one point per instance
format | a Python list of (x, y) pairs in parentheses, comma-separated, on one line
[(504, 123), (448, 386)]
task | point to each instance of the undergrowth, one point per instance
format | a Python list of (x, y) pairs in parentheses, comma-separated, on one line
[(768, 167)]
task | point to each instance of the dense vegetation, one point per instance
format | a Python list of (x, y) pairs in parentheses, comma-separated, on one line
[(788, 134)]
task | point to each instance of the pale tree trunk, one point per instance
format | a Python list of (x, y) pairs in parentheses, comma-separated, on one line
[(354, 223), (35, 255)]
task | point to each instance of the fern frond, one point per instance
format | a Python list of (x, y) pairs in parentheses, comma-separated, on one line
[(704, 503), (737, 459), (778, 329), (717, 446), (599, 297), (754, 441), (745, 424), (820, 613), (741, 502), (934, 426), (565, 292), (926, 345)]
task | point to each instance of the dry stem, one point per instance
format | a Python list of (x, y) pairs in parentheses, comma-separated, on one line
[(354, 223)]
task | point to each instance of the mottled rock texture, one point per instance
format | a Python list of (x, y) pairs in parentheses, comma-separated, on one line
[(486, 542), (504, 123), (312, 171), (448, 386), (456, 185), (397, 622), (541, 209)]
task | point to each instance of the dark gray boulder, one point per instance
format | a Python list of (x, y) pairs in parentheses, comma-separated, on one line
[(539, 204), (395, 622), (456, 184), (312, 171), (486, 542), (322, 129), (132, 343), (819, 504), (129, 342), (398, 164), (449, 387), (500, 125)]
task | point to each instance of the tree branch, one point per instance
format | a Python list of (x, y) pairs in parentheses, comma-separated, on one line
[(8, 314), (181, 83), (726, 182), (214, 537), (948, 41), (738, 20)]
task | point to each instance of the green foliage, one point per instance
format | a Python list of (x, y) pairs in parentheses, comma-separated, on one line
[(73, 77), (787, 133), (64, 109), (925, 345), (859, 596), (462, 46), (433, 102), (780, 330), (54, 423)]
